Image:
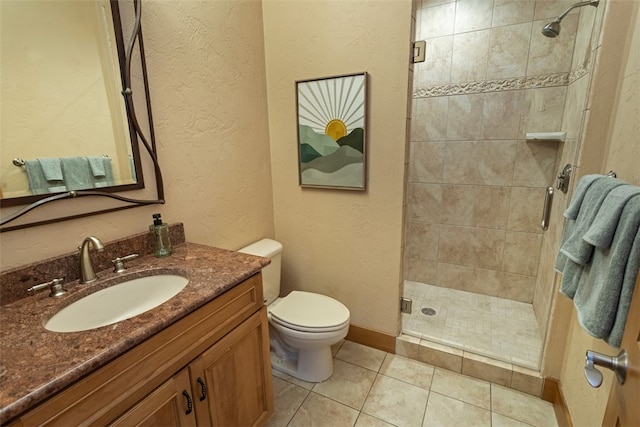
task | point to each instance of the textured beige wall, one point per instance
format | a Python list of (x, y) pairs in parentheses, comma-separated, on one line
[(342, 243), (206, 71), (610, 115)]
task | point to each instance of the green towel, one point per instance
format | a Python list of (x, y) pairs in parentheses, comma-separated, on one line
[(571, 214), (574, 251), (603, 229), (77, 173), (578, 195), (38, 183), (51, 169), (574, 247), (106, 177), (96, 163), (607, 283)]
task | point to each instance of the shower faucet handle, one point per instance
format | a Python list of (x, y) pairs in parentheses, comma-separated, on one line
[(563, 178)]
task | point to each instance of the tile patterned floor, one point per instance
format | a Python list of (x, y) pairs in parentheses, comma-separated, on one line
[(488, 326), (372, 388)]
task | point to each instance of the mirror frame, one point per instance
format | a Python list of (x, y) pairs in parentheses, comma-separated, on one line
[(137, 137)]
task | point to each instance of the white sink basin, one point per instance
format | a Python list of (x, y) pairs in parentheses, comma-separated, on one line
[(116, 303)]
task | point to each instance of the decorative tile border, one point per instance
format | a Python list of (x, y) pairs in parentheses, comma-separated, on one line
[(493, 86), (549, 80), (582, 71)]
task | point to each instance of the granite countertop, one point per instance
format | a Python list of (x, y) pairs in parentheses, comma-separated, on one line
[(36, 363)]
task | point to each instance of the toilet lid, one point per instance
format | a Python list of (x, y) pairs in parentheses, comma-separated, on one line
[(310, 311)]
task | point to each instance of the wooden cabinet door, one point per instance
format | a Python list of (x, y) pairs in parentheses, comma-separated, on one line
[(236, 372), (171, 404), (622, 407)]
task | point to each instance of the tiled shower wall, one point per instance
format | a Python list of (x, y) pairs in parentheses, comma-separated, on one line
[(576, 111), (476, 185)]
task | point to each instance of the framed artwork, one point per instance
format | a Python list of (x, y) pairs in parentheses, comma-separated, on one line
[(331, 114)]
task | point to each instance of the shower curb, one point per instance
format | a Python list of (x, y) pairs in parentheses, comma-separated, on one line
[(467, 363)]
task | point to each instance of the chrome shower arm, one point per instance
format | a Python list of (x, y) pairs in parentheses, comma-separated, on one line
[(573, 6), (552, 29)]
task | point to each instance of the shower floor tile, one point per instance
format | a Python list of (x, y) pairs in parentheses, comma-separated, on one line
[(488, 326)]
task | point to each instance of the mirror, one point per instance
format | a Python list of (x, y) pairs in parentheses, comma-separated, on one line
[(69, 129)]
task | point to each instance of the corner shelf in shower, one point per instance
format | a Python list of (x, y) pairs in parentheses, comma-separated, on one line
[(546, 136)]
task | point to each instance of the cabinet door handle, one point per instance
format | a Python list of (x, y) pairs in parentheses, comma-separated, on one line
[(203, 388), (189, 402)]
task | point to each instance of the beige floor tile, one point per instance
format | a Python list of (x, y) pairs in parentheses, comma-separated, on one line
[(446, 411), (498, 420), (396, 402), (454, 399), (522, 407), (293, 380), (287, 399), (407, 370), (461, 387), (366, 420), (349, 384), (320, 411), (358, 354)]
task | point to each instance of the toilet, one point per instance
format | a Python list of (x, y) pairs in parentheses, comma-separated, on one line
[(303, 325)]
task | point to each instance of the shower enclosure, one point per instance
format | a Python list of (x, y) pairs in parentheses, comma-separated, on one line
[(476, 185)]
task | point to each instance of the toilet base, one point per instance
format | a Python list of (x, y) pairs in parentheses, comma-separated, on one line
[(312, 366)]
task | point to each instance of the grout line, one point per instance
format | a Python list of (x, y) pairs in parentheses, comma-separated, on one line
[(426, 405), (301, 403)]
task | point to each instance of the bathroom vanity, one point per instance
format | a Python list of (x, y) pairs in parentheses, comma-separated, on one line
[(201, 358)]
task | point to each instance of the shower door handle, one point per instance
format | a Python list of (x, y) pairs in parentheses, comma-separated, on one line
[(546, 210)]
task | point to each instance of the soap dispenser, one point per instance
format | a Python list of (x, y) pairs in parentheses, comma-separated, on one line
[(160, 237)]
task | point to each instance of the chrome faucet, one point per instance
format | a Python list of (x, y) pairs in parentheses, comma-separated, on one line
[(87, 274)]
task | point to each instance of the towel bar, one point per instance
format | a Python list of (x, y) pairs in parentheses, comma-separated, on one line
[(19, 162)]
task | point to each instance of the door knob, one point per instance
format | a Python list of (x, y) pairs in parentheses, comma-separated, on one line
[(617, 364)]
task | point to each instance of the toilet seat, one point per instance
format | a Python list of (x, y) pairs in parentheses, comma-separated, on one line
[(310, 312), (307, 329)]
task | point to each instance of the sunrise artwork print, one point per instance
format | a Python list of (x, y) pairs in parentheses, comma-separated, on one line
[(331, 132)]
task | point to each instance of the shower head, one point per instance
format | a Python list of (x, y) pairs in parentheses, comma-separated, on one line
[(552, 29)]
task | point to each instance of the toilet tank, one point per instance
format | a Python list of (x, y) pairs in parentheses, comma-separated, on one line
[(271, 249)]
